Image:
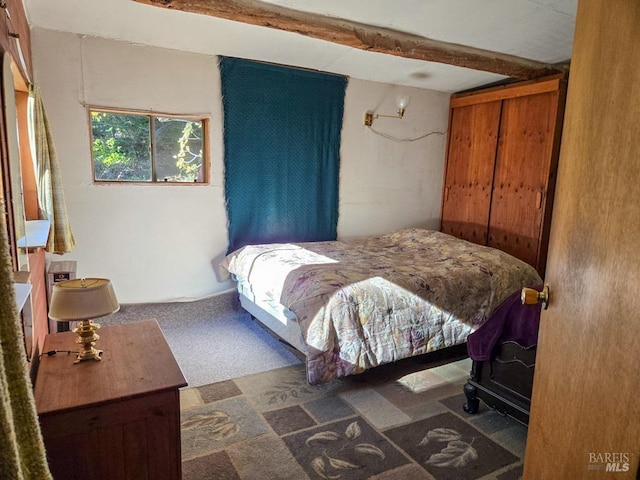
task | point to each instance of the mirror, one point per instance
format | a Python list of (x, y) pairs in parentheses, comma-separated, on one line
[(15, 174), (12, 175)]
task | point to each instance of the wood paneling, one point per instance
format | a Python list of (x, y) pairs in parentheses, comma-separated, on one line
[(40, 312), (509, 90), (522, 172), (15, 40), (469, 174), (501, 167), (15, 37)]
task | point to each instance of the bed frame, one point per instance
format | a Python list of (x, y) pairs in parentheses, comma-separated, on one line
[(289, 335), (504, 382), (277, 321), (503, 351)]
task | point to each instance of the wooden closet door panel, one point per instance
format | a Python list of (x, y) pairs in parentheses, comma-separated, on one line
[(470, 163), (521, 176)]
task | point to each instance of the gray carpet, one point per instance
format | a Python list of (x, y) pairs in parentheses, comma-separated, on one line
[(213, 339)]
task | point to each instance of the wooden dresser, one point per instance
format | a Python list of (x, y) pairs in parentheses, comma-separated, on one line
[(114, 419), (502, 159)]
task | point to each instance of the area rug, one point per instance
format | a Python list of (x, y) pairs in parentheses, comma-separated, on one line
[(397, 422)]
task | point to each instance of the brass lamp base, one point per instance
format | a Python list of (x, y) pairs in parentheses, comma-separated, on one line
[(87, 337)]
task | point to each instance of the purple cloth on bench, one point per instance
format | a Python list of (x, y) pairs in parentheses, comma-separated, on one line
[(509, 321)]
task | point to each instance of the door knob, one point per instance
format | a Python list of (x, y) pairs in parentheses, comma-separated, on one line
[(529, 296)]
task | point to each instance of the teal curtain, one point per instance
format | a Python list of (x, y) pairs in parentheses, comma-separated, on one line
[(282, 131)]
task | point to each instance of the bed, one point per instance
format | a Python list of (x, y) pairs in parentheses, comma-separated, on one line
[(348, 306)]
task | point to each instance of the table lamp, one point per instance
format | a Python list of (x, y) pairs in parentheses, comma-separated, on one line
[(83, 300)]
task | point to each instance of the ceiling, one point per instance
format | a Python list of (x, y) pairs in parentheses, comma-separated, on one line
[(539, 30)]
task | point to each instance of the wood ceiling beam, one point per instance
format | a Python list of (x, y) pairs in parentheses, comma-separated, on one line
[(362, 36)]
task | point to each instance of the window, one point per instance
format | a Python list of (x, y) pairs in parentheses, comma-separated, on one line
[(137, 147)]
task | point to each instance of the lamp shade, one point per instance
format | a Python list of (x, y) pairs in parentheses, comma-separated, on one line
[(82, 299)]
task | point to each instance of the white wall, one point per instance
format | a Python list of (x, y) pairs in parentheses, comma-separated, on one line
[(163, 243), (385, 184)]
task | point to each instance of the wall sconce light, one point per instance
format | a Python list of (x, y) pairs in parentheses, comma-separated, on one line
[(401, 101), (81, 300)]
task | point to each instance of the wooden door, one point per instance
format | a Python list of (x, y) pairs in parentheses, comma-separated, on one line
[(524, 175), (469, 175), (585, 416)]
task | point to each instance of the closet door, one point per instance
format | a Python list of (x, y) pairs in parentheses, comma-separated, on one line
[(523, 171), (469, 175)]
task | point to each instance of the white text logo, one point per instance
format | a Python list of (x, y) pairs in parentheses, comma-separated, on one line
[(609, 462)]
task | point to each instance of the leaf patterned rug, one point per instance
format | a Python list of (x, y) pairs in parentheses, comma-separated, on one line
[(402, 421)]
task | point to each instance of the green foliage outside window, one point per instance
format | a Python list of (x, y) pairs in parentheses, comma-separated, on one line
[(131, 147)]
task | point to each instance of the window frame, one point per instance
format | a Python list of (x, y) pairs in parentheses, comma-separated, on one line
[(204, 119)]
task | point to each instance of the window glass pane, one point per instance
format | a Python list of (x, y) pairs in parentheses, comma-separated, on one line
[(121, 147), (177, 149), (134, 147)]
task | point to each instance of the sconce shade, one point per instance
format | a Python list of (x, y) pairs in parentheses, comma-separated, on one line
[(82, 299), (402, 101)]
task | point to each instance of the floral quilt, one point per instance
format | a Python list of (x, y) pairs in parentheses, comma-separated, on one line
[(373, 301)]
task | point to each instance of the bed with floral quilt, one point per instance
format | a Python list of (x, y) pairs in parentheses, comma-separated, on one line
[(348, 306)]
